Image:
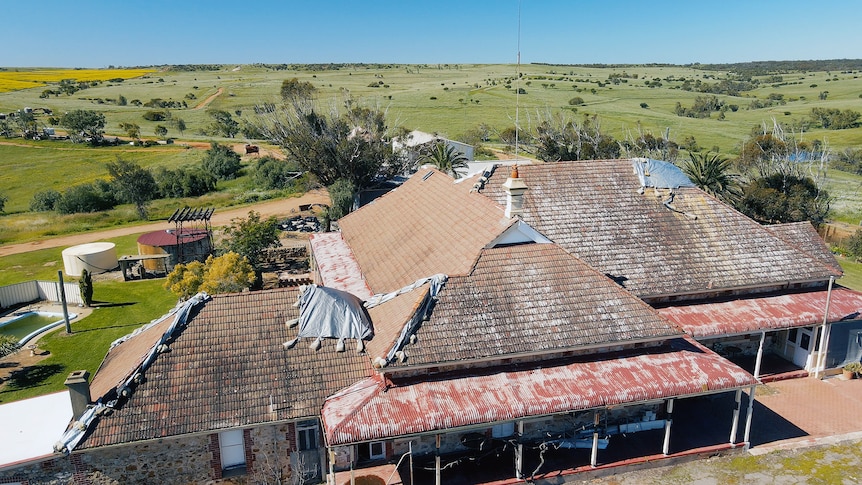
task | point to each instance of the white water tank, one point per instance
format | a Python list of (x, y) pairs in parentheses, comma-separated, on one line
[(96, 258)]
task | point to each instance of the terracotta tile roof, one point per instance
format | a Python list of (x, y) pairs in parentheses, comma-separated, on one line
[(531, 298), (225, 368), (390, 319), (373, 409), (770, 312), (124, 359), (803, 236), (429, 225), (594, 210)]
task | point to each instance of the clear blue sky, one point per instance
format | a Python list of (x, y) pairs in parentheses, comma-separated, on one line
[(99, 33)]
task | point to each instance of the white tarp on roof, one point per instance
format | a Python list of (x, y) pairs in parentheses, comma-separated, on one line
[(659, 174)]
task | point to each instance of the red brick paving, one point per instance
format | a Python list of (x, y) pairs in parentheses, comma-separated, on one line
[(818, 407)]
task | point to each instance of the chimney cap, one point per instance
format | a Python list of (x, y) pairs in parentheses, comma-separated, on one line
[(514, 173), (77, 377)]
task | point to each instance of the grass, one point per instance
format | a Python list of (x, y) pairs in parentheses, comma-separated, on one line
[(467, 95), (43, 264), (58, 166), (121, 307), (463, 97), (852, 274), (846, 192)]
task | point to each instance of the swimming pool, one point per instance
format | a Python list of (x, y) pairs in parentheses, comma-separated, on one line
[(26, 325)]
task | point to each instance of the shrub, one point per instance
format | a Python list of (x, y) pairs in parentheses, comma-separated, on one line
[(91, 197), (644, 105), (576, 101), (341, 194), (184, 182), (45, 200), (8, 344), (222, 162), (155, 116), (854, 245), (270, 173)]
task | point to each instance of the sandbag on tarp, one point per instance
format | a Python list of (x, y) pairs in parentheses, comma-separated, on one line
[(330, 313), (659, 174)]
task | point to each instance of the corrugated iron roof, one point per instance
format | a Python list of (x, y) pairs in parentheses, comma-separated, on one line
[(337, 266), (223, 371), (376, 409), (165, 238), (531, 298), (772, 312), (594, 210), (429, 225)]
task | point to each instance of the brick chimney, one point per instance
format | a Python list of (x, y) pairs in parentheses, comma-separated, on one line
[(79, 392), (515, 188)]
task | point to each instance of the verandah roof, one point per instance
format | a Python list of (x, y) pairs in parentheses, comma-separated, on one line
[(769, 312), (375, 409)]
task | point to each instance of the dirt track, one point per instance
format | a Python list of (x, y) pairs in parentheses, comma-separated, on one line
[(278, 208)]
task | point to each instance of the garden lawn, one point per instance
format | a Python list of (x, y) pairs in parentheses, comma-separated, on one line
[(120, 308), (44, 263), (852, 274)]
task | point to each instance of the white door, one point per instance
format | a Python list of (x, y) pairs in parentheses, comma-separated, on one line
[(802, 345), (232, 449)]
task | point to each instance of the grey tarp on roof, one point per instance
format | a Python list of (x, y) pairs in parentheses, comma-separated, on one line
[(330, 313), (659, 174)]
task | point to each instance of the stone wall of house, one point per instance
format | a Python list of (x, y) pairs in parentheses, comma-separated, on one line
[(162, 461), (167, 461), (55, 471), (269, 448), (186, 460)]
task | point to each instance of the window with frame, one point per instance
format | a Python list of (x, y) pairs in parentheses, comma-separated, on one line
[(232, 449), (306, 435), (377, 450)]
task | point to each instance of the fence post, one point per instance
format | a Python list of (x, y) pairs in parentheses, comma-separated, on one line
[(63, 301)]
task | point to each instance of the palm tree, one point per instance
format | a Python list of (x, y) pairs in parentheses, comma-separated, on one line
[(713, 174), (447, 159)]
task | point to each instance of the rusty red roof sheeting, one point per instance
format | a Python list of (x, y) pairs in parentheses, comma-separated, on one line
[(774, 312), (337, 266), (165, 238), (374, 409)]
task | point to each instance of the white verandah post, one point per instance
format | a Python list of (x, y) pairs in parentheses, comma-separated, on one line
[(735, 424), (594, 456), (759, 359), (820, 367), (437, 460), (667, 424), (746, 438), (519, 453)]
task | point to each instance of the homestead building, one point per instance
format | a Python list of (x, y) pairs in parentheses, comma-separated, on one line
[(518, 323)]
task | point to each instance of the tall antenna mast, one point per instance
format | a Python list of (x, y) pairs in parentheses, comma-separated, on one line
[(518, 82)]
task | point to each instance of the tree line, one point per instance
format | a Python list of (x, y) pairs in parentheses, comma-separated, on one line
[(129, 183)]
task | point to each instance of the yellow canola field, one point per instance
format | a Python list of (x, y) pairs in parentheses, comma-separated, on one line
[(15, 80)]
